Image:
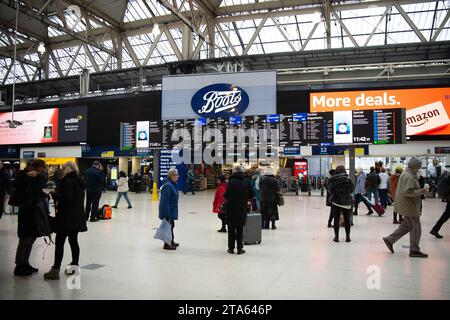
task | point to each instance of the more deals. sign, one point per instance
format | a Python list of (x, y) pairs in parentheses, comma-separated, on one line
[(427, 110)]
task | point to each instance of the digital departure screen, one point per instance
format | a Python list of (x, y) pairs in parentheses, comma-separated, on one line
[(348, 127)]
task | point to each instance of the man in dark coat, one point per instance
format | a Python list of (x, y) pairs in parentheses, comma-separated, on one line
[(269, 189), (70, 216), (29, 184), (5, 186), (94, 178), (239, 192)]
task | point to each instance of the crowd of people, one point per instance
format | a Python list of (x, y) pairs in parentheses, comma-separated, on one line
[(77, 200)]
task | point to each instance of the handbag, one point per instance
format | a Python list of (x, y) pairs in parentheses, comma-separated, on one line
[(279, 199), (224, 207)]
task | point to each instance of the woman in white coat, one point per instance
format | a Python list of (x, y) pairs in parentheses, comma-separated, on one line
[(122, 189)]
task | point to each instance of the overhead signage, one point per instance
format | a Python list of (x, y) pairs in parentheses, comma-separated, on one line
[(427, 110), (220, 100)]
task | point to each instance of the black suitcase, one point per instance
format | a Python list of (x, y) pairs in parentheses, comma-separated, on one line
[(252, 229)]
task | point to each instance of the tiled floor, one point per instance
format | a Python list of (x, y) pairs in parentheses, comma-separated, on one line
[(297, 261)]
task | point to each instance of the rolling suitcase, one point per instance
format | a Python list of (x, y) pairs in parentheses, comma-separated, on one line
[(252, 229), (378, 209)]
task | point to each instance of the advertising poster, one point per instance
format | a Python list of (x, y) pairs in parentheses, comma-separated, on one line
[(342, 122), (427, 110), (142, 134), (39, 126)]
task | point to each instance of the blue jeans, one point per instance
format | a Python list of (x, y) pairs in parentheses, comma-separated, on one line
[(384, 197), (125, 195), (359, 198), (375, 193)]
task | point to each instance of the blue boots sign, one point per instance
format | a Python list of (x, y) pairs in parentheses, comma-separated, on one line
[(220, 100)]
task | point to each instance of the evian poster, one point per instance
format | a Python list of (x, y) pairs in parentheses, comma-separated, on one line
[(427, 110), (218, 95)]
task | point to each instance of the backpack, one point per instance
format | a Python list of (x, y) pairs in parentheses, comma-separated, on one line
[(105, 212), (43, 221), (443, 186)]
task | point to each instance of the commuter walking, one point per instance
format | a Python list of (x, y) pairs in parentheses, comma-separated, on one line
[(238, 193), (57, 176), (168, 205), (218, 202), (122, 189), (70, 218), (94, 178), (5, 186), (446, 215), (408, 202), (373, 184), (384, 180), (138, 182), (360, 191), (393, 187), (29, 185), (269, 190), (340, 189)]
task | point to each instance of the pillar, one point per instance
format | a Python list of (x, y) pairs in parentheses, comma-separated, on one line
[(352, 168), (187, 43), (135, 164), (156, 166), (338, 161), (123, 164)]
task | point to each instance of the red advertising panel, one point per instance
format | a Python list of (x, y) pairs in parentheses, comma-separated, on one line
[(301, 169), (39, 126), (427, 110), (45, 126)]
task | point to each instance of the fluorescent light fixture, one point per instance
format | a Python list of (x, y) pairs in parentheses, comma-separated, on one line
[(156, 29), (41, 48)]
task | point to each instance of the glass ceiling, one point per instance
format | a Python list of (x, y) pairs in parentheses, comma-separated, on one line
[(373, 26)]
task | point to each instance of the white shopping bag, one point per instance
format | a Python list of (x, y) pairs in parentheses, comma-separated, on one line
[(164, 232)]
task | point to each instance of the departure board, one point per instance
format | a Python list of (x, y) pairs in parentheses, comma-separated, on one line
[(127, 135), (361, 127)]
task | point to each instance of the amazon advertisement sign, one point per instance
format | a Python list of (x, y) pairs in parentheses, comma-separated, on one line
[(427, 110), (219, 95)]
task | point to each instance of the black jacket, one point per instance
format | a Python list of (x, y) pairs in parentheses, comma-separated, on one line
[(5, 182), (373, 180), (31, 189), (94, 180), (69, 197), (239, 191), (340, 189), (268, 188)]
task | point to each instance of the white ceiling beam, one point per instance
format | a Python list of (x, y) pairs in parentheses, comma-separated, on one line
[(173, 44), (7, 73), (152, 48), (283, 33), (310, 36), (255, 34), (410, 22), (58, 68), (131, 52), (91, 58), (344, 27), (375, 28), (73, 60), (227, 39), (441, 26)]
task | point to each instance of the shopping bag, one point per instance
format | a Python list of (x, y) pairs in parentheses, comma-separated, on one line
[(164, 232)]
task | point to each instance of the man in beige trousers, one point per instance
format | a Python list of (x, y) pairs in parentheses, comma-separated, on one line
[(408, 203)]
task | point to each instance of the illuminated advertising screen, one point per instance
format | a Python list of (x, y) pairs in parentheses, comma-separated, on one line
[(45, 126), (427, 110)]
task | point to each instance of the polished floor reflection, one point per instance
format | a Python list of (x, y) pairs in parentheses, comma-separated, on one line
[(299, 260)]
